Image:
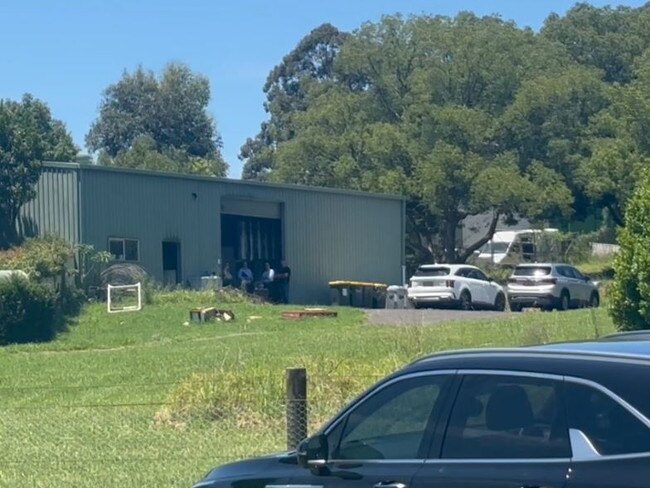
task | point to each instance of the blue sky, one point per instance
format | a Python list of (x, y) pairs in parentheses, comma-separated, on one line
[(67, 53)]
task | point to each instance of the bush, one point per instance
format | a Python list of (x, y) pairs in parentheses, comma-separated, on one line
[(47, 258), (28, 312), (630, 291), (36, 309)]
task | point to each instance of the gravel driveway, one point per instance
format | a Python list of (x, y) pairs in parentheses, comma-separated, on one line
[(428, 316)]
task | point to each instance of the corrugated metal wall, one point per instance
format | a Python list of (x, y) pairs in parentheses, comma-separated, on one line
[(327, 235), (55, 210)]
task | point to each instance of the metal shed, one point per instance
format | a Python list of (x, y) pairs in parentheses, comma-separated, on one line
[(182, 227)]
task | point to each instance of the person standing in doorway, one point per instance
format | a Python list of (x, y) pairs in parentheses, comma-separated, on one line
[(227, 275), (245, 276), (282, 278)]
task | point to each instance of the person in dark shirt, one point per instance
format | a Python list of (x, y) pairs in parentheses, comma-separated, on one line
[(282, 279)]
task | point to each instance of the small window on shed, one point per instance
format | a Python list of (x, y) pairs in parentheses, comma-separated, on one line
[(124, 249)]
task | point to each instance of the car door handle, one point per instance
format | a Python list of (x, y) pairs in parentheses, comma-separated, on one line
[(389, 484)]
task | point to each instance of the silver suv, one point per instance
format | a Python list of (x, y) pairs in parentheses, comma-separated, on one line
[(550, 286)]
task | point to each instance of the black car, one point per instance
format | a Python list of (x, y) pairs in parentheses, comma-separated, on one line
[(572, 415)]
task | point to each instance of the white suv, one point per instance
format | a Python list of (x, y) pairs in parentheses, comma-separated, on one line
[(460, 285), (550, 286)]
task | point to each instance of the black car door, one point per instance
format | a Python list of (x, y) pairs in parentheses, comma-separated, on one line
[(505, 430), (382, 440)]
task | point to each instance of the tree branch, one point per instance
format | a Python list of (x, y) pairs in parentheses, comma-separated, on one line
[(462, 257)]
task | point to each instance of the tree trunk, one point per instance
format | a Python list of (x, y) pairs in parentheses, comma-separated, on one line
[(464, 256), (8, 234), (451, 228), (617, 215)]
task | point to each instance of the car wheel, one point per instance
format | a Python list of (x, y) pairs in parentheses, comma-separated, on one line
[(594, 301), (565, 301), (465, 302), (516, 307), (500, 302)]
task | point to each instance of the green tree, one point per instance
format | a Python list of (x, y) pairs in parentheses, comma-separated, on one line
[(549, 123), (286, 87), (630, 292), (28, 136), (414, 107), (620, 143), (607, 38), (164, 119)]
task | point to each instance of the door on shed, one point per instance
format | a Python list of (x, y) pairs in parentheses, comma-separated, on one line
[(171, 254), (251, 231)]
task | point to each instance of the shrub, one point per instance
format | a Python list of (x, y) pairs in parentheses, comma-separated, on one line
[(28, 312), (47, 258), (630, 291)]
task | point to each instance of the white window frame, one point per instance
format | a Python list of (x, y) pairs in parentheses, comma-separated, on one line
[(123, 241)]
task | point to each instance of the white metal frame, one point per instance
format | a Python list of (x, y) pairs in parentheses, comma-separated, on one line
[(132, 308)]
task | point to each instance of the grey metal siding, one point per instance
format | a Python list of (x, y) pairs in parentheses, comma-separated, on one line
[(331, 236), (152, 210), (55, 209), (328, 235)]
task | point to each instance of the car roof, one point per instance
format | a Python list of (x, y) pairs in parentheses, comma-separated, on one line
[(603, 349), (537, 265), (606, 346), (452, 267), (630, 335)]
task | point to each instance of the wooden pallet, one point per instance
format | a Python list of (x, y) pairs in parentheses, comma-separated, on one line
[(301, 314)]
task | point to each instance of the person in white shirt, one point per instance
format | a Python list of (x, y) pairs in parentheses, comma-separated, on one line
[(268, 275)]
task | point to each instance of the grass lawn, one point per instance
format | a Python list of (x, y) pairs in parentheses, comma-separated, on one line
[(140, 399)]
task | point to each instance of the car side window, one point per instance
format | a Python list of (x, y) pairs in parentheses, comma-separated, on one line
[(570, 272), (462, 272), (507, 417), (610, 427), (479, 275), (561, 270), (577, 274), (392, 423)]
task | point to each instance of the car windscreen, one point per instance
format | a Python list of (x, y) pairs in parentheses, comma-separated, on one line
[(429, 272), (532, 270)]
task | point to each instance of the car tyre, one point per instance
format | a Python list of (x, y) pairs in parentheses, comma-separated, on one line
[(565, 301), (500, 302), (465, 302), (594, 300), (516, 307)]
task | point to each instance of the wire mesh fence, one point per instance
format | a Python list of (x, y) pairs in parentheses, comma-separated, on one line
[(165, 434)]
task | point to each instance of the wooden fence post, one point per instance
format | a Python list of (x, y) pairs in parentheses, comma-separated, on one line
[(296, 379)]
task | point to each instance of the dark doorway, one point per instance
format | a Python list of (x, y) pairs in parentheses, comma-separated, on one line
[(171, 251), (252, 239)]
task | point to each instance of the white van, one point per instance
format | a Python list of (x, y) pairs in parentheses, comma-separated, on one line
[(511, 246)]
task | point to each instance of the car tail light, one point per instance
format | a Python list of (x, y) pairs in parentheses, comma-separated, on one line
[(450, 283), (548, 281)]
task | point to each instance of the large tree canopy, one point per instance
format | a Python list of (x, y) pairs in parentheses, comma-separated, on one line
[(312, 61), (620, 144), (607, 38), (28, 136), (415, 107), (158, 123), (466, 116)]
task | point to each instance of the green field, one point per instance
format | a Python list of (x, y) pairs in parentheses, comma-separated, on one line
[(140, 399)]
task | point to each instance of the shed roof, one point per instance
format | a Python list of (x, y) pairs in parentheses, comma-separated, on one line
[(230, 181)]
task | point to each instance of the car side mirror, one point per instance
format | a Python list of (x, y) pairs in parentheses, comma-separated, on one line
[(312, 452)]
